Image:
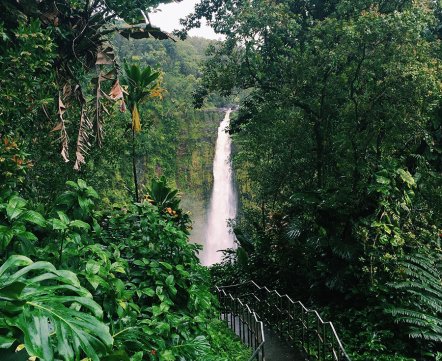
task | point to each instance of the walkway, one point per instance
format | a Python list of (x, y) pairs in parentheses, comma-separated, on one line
[(264, 318), (277, 349)]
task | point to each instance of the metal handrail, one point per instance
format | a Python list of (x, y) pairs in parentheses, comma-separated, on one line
[(295, 322), (244, 322)]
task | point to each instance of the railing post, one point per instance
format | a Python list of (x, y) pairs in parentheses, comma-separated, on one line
[(232, 310), (289, 318), (318, 336), (263, 353), (295, 329), (250, 329), (308, 333), (243, 327), (240, 323), (303, 330), (234, 316)]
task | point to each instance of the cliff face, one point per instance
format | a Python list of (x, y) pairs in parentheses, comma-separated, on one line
[(176, 141)]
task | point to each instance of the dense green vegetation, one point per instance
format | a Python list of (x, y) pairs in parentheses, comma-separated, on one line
[(135, 290), (178, 141), (170, 126), (86, 273), (339, 161), (338, 157)]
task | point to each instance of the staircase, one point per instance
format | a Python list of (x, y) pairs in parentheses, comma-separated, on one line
[(277, 328)]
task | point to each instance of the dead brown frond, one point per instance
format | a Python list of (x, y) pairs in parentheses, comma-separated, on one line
[(83, 143), (62, 128)]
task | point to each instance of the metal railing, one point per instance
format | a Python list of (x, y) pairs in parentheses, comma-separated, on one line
[(302, 327), (244, 322)]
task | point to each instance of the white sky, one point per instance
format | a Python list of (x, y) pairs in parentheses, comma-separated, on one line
[(168, 19)]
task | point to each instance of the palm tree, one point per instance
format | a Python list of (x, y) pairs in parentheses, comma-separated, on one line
[(141, 84)]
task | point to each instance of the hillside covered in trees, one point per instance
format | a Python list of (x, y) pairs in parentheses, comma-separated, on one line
[(93, 265), (337, 140), (339, 161)]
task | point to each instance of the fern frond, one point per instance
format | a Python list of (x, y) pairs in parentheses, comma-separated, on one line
[(421, 308), (426, 336)]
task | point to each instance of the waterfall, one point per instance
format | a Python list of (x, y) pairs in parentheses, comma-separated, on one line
[(223, 200)]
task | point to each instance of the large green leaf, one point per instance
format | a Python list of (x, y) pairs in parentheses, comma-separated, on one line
[(58, 224), (6, 235), (406, 177), (33, 217), (12, 291), (14, 261), (15, 207), (84, 203), (58, 317), (72, 184), (81, 183), (75, 331), (80, 224)]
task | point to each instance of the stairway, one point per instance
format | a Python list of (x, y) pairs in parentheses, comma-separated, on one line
[(269, 323), (277, 349)]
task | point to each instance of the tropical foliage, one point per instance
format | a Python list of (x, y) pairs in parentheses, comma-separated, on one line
[(131, 285), (42, 304), (338, 159), (84, 272)]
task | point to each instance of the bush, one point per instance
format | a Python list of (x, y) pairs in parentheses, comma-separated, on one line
[(144, 295)]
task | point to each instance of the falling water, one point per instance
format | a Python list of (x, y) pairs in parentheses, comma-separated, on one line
[(223, 200)]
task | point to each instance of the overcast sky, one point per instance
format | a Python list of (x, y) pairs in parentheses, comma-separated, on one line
[(168, 19)]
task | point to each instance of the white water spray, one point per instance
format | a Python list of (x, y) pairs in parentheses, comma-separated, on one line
[(223, 201)]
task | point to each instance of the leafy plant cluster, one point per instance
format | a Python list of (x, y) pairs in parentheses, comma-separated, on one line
[(175, 140), (69, 40), (124, 285)]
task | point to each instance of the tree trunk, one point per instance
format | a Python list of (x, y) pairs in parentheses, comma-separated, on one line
[(134, 167), (319, 152)]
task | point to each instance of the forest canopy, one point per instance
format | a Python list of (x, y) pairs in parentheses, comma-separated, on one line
[(339, 159)]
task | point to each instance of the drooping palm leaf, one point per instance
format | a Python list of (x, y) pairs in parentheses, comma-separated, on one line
[(143, 32)]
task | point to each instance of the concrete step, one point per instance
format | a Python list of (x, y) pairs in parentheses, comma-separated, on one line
[(275, 348)]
